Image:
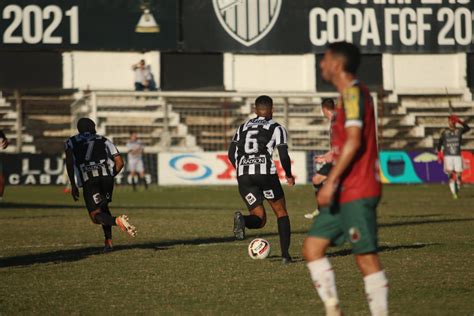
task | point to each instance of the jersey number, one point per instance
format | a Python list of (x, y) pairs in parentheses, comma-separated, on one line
[(90, 147), (251, 144)]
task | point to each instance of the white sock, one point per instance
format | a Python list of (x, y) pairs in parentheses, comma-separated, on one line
[(452, 186), (324, 280), (376, 288)]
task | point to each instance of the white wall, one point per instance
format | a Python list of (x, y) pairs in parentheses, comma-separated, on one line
[(425, 74), (105, 70), (269, 72)]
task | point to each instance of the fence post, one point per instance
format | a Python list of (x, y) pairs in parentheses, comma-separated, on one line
[(165, 136), (19, 122)]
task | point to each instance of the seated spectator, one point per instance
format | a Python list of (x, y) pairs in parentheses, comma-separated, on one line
[(143, 77)]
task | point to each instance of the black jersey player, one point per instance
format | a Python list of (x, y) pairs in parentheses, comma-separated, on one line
[(94, 161), (450, 144), (324, 161), (251, 154)]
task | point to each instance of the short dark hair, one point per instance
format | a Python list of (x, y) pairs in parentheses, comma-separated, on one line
[(349, 52), (132, 132), (86, 125), (328, 103), (264, 101)]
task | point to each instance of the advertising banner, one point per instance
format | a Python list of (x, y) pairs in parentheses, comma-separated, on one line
[(88, 24), (38, 169), (214, 168), (304, 26)]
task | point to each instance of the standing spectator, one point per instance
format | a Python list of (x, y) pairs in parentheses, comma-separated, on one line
[(143, 77), (135, 159), (3, 145)]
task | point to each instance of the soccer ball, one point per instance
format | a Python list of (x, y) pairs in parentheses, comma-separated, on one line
[(259, 248)]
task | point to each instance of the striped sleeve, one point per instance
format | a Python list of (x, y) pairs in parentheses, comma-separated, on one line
[(68, 145), (280, 136), (111, 148), (236, 137)]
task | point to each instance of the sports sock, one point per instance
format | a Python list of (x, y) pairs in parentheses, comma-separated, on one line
[(107, 228), (323, 279), (105, 219), (144, 183), (284, 230), (134, 185), (252, 221), (376, 288), (452, 186)]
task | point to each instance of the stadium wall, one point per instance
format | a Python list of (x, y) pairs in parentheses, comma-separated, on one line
[(402, 74), (213, 168)]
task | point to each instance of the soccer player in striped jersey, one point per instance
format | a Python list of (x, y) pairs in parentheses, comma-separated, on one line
[(3, 145), (449, 150), (349, 197), (251, 153), (94, 161)]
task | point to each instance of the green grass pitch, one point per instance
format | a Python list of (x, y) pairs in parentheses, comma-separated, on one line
[(185, 261)]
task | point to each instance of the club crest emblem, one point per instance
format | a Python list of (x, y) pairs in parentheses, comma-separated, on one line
[(247, 21)]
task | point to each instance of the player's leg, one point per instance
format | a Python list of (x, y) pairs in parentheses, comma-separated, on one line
[(284, 227), (359, 220), (449, 169), (133, 174), (325, 231), (318, 181), (108, 245), (458, 168), (141, 170), (253, 199)]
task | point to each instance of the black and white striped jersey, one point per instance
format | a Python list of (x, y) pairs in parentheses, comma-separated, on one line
[(255, 142), (93, 156)]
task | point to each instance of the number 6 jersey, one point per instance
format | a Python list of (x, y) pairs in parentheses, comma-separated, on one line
[(256, 140), (93, 156)]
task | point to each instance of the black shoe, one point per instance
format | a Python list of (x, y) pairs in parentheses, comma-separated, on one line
[(286, 260), (239, 226)]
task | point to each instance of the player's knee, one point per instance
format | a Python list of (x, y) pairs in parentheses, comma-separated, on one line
[(312, 251), (93, 215)]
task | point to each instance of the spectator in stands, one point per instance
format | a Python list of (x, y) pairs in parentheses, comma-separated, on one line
[(143, 77), (135, 159), (3, 145)]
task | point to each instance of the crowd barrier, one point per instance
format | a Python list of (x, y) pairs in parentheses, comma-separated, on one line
[(213, 168)]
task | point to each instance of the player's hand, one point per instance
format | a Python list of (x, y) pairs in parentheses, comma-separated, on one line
[(4, 143), (319, 159), (440, 157), (290, 181), (326, 194), (75, 193)]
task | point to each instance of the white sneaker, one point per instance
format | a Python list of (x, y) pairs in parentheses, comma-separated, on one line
[(332, 307), (312, 214), (122, 222)]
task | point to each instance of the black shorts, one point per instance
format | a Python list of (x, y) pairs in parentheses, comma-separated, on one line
[(98, 192), (325, 169), (255, 188)]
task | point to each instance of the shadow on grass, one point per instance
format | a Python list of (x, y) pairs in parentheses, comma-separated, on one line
[(71, 255), (9, 205)]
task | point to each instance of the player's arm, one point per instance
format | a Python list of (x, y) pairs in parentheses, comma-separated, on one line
[(4, 143), (70, 174), (286, 163), (118, 164), (115, 154), (233, 146), (354, 109), (440, 147), (465, 127)]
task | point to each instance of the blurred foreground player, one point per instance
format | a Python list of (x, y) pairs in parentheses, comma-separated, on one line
[(349, 197), (449, 150), (94, 161), (3, 145), (325, 161), (251, 153)]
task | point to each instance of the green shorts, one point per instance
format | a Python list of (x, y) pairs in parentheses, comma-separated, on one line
[(355, 221)]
